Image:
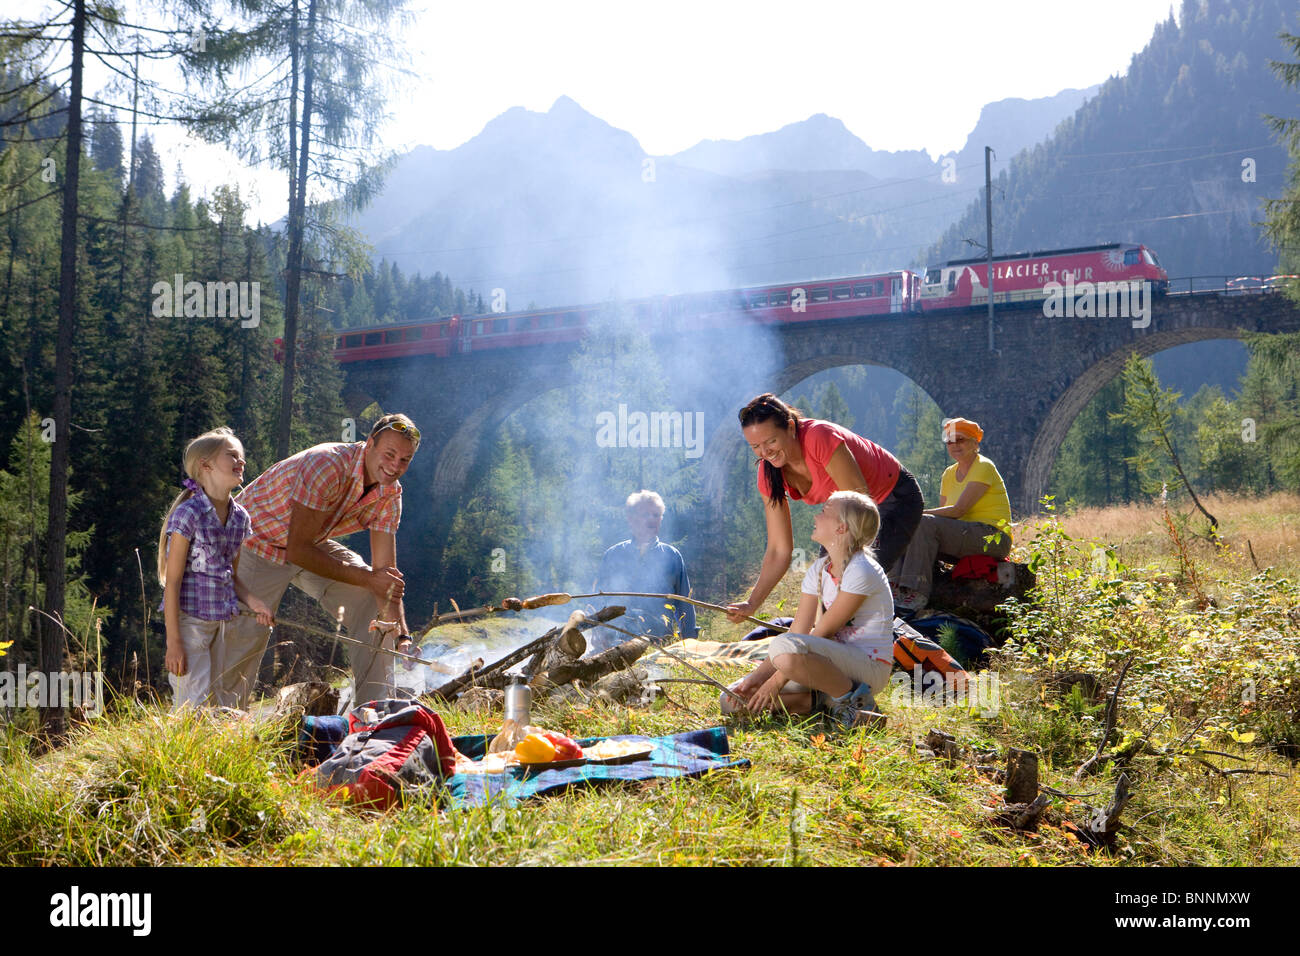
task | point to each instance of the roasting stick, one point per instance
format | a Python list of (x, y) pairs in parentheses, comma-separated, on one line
[(679, 597), (562, 597), (330, 635), (685, 663)]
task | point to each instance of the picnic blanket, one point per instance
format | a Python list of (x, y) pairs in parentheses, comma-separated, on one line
[(689, 754)]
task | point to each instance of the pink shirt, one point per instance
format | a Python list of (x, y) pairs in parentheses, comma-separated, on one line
[(328, 477), (818, 441)]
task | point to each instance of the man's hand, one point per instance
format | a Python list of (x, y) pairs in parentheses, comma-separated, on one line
[(386, 584), (259, 608)]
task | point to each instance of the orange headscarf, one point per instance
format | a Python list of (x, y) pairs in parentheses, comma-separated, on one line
[(952, 427)]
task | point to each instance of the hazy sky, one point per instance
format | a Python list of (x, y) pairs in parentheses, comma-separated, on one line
[(900, 76)]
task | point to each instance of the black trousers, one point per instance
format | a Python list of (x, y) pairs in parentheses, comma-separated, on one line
[(900, 514)]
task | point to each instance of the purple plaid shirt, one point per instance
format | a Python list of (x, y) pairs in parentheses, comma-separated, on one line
[(208, 588)]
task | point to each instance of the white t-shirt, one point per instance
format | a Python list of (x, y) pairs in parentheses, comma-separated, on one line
[(872, 627)]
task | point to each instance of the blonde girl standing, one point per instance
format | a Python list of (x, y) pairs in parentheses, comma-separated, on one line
[(198, 557), (839, 651)]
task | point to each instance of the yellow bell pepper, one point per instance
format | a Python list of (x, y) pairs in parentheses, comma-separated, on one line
[(535, 749)]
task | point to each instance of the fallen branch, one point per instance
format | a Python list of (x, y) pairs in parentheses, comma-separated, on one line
[(1068, 796), (1023, 816), (1102, 826), (1231, 771), (1093, 763)]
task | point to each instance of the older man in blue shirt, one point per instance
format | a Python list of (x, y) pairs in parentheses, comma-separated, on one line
[(644, 563)]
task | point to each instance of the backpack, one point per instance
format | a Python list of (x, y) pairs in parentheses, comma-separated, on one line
[(971, 640), (758, 633), (913, 650), (393, 746)]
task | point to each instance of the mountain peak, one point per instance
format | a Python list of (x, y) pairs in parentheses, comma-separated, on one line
[(566, 104)]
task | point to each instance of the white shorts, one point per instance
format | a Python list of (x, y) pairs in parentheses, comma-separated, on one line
[(852, 660)]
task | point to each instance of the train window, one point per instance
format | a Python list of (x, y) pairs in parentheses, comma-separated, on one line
[(862, 291), (393, 336), (1150, 257), (352, 341), (374, 338), (500, 325), (841, 292), (758, 301), (821, 295), (895, 286), (880, 288), (480, 327), (545, 321), (779, 298), (952, 280), (338, 342), (1132, 257), (415, 334), (570, 318)]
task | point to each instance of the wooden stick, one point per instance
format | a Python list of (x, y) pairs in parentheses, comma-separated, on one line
[(679, 597), (563, 597), (685, 663), (1112, 711)]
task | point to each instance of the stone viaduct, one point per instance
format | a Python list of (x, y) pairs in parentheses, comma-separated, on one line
[(1026, 392)]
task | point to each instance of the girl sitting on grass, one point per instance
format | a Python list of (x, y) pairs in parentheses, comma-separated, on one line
[(838, 663), (197, 567)]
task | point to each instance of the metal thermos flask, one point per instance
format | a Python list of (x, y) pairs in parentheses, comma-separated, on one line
[(519, 698)]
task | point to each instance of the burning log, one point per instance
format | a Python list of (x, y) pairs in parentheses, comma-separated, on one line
[(493, 675), (567, 647), (589, 669)]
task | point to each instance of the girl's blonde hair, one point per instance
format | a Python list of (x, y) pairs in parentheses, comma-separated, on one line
[(196, 453), (860, 515)]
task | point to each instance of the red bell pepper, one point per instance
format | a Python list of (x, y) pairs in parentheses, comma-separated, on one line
[(566, 748)]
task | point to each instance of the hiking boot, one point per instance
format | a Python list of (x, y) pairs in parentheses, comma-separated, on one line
[(844, 710)]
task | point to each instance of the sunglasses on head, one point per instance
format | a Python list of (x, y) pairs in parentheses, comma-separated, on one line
[(410, 431)]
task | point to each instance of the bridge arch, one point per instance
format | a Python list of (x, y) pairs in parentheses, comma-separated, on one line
[(1084, 388), (726, 443)]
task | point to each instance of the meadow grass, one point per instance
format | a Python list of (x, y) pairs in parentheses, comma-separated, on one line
[(143, 787)]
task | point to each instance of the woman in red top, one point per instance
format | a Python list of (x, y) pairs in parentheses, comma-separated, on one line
[(809, 460)]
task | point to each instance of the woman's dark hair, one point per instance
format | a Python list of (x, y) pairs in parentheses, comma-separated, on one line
[(768, 408)]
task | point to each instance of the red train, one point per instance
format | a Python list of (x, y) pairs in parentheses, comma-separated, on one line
[(958, 284), (963, 283)]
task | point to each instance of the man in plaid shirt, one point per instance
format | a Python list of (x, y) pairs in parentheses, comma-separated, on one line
[(297, 507)]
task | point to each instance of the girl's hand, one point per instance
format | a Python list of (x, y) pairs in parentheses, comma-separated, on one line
[(768, 695), (736, 613), (175, 660), (258, 607)]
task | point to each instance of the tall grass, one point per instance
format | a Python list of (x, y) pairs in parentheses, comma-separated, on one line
[(141, 787)]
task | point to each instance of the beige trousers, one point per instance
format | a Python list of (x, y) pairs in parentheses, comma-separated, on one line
[(204, 655), (936, 535), (246, 639)]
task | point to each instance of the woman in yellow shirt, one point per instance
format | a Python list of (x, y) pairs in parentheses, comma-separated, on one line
[(973, 517)]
